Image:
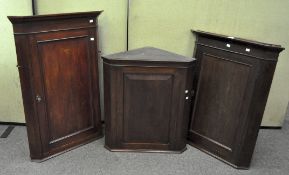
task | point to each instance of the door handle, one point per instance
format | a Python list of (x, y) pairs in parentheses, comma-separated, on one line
[(38, 98)]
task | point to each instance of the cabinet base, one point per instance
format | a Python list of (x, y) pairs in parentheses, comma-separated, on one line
[(69, 149), (219, 158), (147, 150)]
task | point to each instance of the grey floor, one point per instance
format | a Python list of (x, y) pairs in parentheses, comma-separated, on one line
[(271, 157)]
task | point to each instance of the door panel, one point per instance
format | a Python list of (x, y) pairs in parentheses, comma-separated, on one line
[(64, 73), (148, 121), (67, 86), (148, 115), (221, 94)]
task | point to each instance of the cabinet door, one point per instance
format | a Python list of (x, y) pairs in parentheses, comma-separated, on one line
[(224, 91), (150, 109), (66, 89)]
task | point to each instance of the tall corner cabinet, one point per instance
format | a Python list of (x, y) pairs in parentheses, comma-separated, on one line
[(58, 67), (232, 83)]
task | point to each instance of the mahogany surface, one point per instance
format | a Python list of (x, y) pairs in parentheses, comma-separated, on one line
[(145, 101), (57, 61), (232, 84)]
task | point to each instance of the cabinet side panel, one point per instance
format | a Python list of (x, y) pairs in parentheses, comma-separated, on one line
[(182, 98), (26, 79), (254, 118), (113, 104), (108, 105), (94, 58), (189, 93)]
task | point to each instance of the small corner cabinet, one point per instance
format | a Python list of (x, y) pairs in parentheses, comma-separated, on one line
[(232, 83), (57, 62), (147, 100)]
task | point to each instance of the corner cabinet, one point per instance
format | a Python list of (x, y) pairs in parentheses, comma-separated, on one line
[(147, 100), (57, 61), (233, 81)]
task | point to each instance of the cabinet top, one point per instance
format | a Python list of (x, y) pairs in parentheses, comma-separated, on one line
[(239, 40), (20, 19), (149, 55)]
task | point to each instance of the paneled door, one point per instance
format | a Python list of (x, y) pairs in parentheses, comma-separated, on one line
[(148, 114), (58, 66), (64, 87), (147, 100), (232, 84), (224, 88)]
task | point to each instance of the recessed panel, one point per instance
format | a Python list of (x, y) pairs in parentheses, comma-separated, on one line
[(67, 85), (221, 91), (147, 110)]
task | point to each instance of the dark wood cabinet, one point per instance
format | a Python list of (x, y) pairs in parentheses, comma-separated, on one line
[(232, 83), (147, 100), (57, 61)]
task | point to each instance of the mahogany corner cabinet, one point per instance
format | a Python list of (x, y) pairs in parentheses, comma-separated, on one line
[(57, 62), (232, 83), (147, 100)]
